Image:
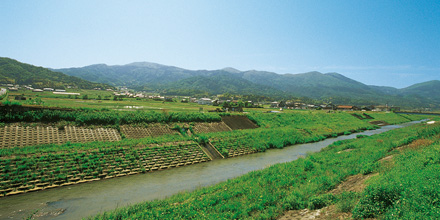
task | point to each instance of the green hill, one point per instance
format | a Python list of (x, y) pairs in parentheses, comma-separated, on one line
[(428, 92), (428, 89), (14, 72), (220, 82), (131, 75), (313, 84)]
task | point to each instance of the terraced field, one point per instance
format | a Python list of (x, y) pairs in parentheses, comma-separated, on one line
[(36, 172), (200, 128), (236, 122), (14, 135), (153, 130), (157, 129)]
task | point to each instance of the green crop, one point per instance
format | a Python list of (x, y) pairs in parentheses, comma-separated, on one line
[(104, 117)]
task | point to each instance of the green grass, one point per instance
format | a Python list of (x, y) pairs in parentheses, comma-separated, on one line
[(409, 190)]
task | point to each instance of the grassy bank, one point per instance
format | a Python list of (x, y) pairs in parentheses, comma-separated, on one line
[(305, 183)]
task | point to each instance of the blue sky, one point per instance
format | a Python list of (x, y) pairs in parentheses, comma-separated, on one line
[(387, 43)]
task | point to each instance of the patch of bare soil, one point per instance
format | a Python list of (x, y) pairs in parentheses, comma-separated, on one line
[(236, 122), (301, 214), (417, 144), (346, 150), (387, 158), (326, 213), (354, 183), (379, 123)]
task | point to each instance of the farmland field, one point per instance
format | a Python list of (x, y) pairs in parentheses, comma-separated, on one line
[(106, 101), (144, 141)]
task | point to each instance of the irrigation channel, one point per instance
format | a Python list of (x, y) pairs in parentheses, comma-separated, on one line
[(82, 200)]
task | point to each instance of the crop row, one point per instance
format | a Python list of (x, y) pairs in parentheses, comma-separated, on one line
[(91, 117), (13, 135), (153, 130), (32, 173)]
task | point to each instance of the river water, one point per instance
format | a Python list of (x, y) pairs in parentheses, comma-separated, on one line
[(82, 200)]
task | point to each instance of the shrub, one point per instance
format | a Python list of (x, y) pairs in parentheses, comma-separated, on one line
[(347, 201), (320, 201)]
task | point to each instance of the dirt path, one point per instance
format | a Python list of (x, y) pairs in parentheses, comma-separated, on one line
[(354, 183)]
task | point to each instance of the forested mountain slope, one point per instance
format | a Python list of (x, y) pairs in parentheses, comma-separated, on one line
[(14, 72)]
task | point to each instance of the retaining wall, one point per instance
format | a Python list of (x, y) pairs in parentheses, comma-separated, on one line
[(13, 135)]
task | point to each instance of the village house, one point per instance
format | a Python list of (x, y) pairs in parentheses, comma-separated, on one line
[(139, 95), (274, 104), (205, 101), (347, 108)]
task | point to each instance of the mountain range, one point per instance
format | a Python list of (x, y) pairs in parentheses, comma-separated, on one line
[(255, 85), (328, 87)]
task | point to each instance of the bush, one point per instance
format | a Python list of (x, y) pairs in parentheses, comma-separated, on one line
[(361, 136), (376, 200), (347, 201), (320, 201)]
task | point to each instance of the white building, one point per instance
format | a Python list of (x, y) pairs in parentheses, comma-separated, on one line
[(205, 101)]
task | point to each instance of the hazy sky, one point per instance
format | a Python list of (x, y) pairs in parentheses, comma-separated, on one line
[(392, 43)]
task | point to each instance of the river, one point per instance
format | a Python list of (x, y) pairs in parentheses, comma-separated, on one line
[(82, 200)]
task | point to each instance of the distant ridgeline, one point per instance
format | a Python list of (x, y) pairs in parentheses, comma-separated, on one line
[(14, 72), (329, 87)]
